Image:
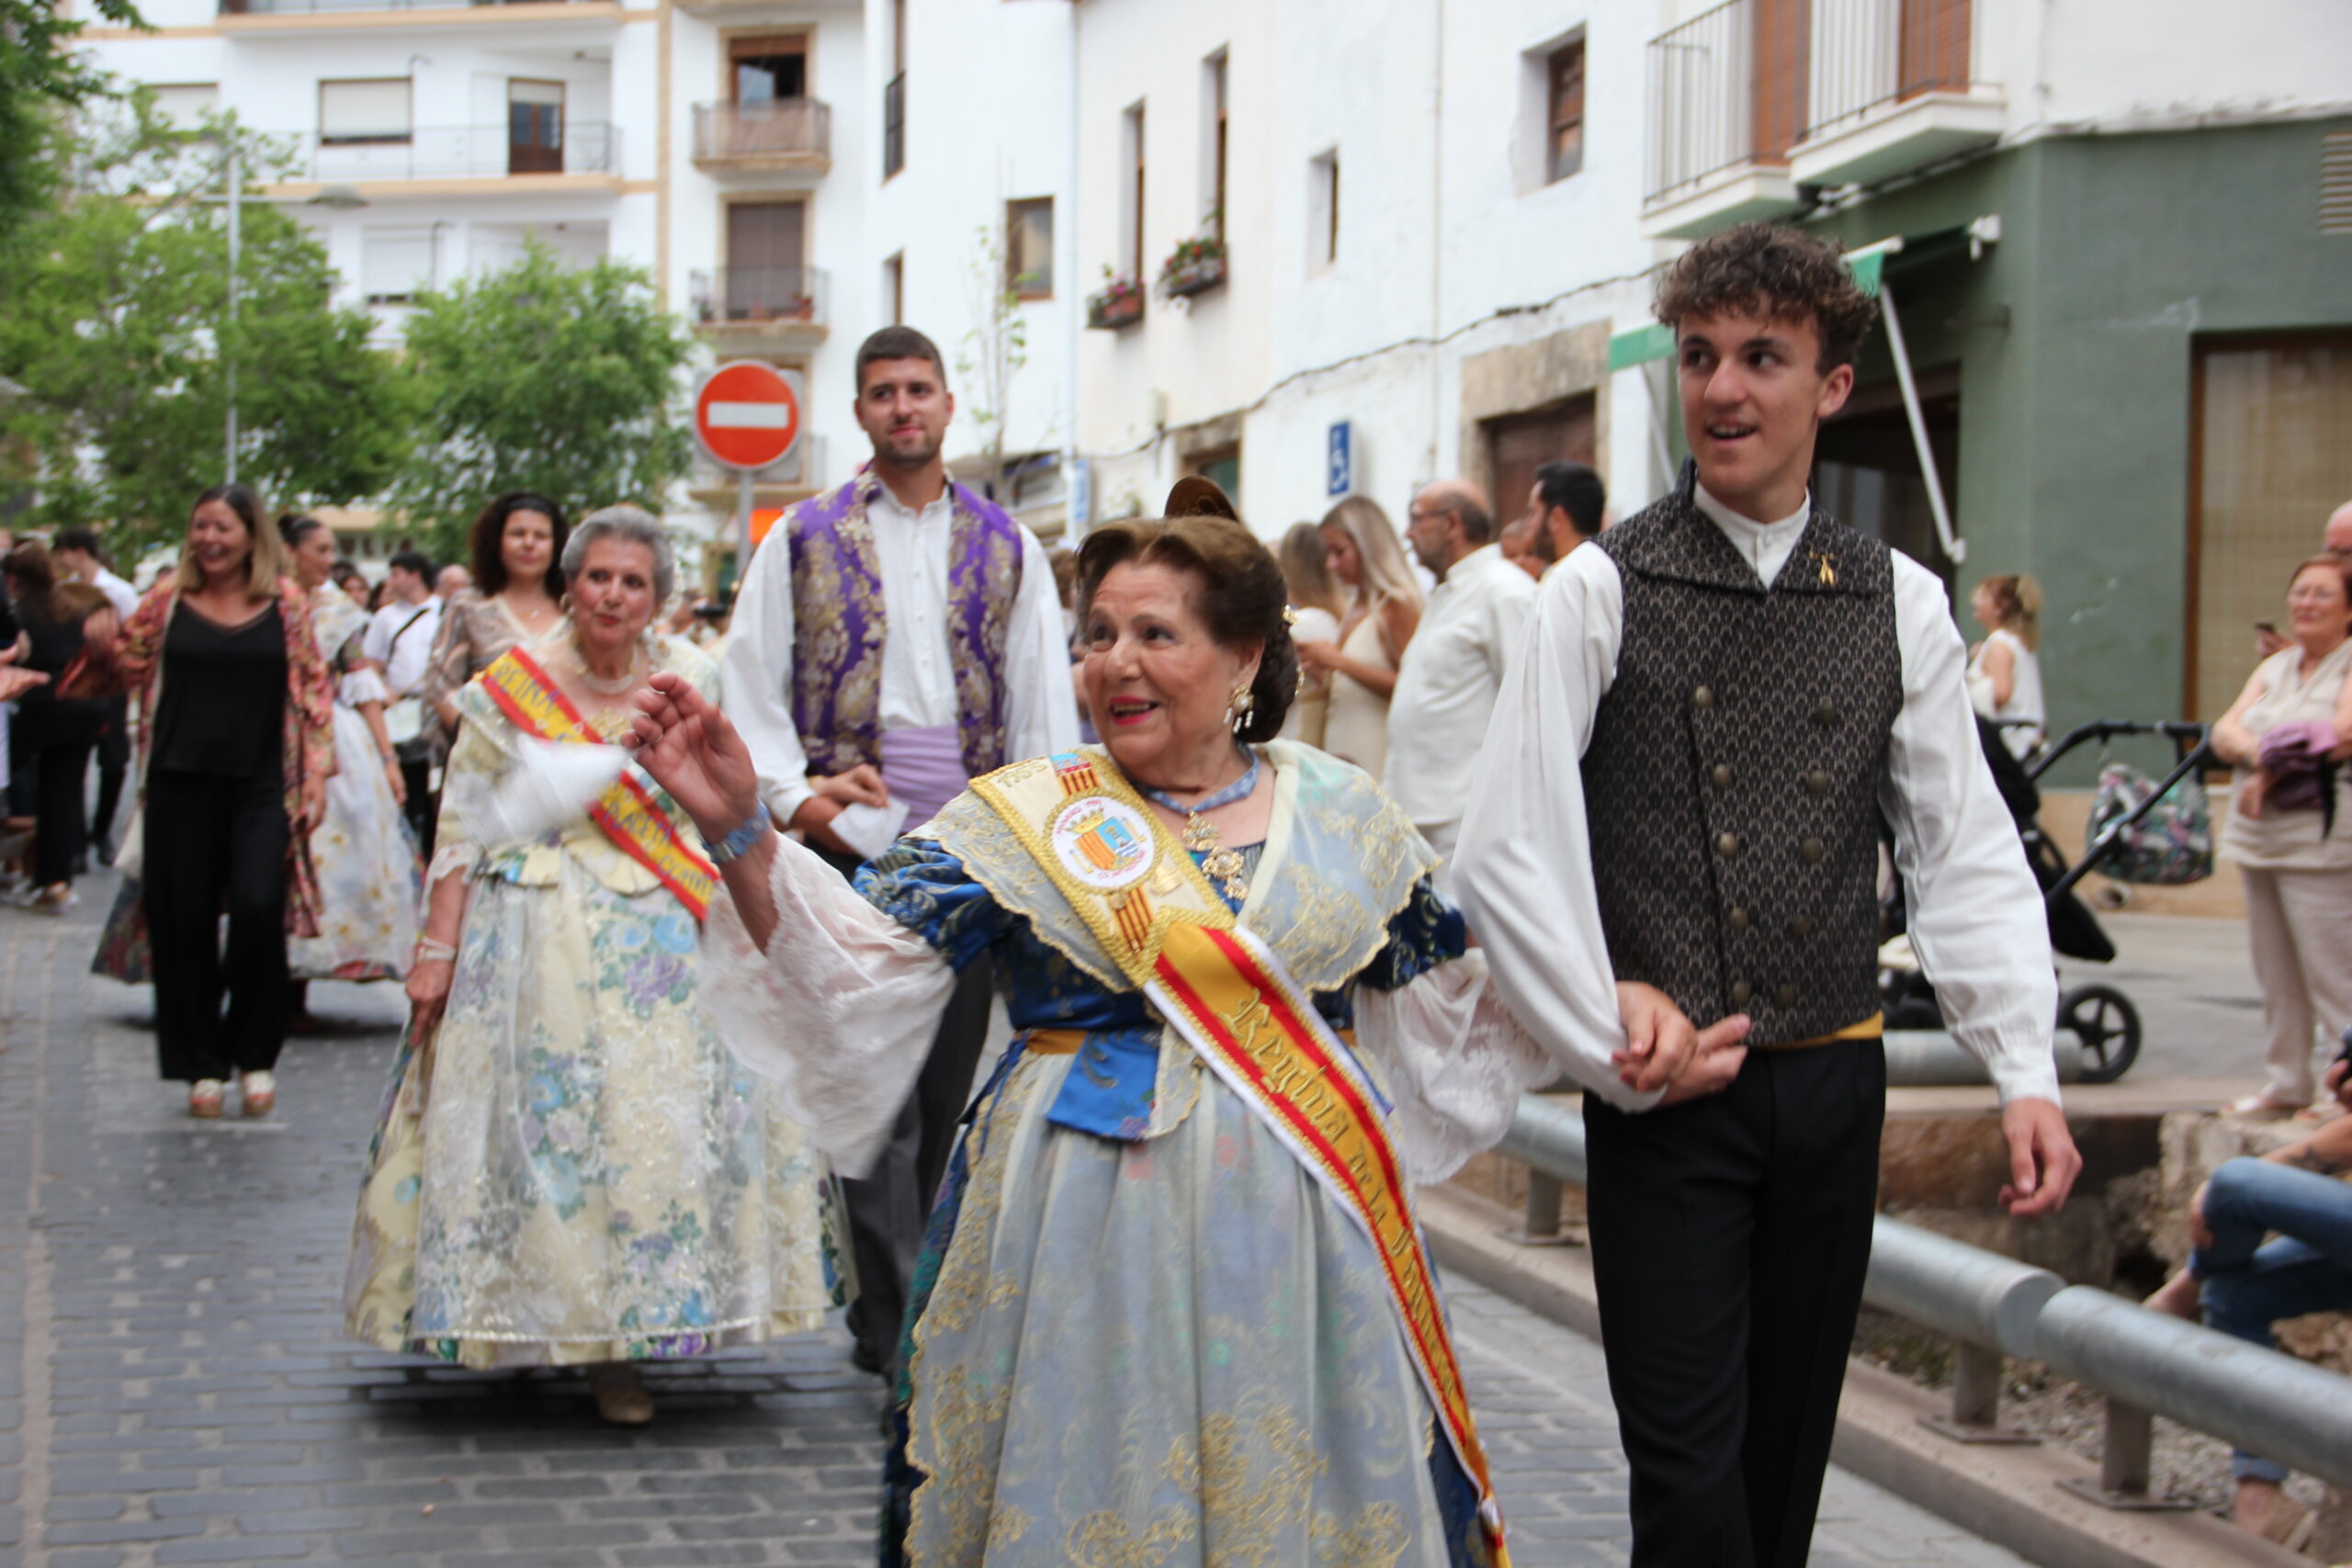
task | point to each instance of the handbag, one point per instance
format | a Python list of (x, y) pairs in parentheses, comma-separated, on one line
[(2171, 846), (93, 672)]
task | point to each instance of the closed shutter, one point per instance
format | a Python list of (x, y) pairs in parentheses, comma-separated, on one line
[(373, 110)]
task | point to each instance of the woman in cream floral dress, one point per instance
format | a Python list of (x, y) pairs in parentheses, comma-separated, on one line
[(367, 869), (571, 1169)]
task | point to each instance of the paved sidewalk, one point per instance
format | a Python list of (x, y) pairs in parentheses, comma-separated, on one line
[(175, 1388)]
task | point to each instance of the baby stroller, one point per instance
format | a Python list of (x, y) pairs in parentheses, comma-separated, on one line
[(2100, 1016)]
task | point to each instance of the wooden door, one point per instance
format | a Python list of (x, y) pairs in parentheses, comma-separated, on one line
[(1519, 444), (765, 280), (533, 127)]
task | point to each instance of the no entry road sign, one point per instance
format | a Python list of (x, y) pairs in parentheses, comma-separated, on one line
[(747, 414)]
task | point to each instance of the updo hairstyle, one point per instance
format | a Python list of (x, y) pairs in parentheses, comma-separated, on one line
[(632, 524), (1241, 596)]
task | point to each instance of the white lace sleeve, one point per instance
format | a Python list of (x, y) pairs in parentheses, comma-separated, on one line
[(1456, 1062), (840, 1011)]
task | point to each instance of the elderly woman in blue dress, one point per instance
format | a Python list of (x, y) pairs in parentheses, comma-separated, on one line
[(1173, 1306), (571, 1169)]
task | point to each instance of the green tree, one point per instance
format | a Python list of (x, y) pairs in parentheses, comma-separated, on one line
[(994, 349), (40, 78), (114, 324), (560, 379)]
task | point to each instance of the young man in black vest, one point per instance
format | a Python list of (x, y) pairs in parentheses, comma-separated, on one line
[(1716, 708)]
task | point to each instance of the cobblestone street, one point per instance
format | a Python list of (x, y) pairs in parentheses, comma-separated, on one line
[(175, 1387)]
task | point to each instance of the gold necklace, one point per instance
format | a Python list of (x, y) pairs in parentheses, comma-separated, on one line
[(1219, 864)]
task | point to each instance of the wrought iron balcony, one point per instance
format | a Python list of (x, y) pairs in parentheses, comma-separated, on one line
[(454, 152), (768, 301)]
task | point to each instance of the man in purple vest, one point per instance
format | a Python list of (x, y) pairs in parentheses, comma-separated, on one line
[(1717, 710), (899, 638)]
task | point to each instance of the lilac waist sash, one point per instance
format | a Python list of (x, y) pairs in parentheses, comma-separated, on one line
[(924, 768)]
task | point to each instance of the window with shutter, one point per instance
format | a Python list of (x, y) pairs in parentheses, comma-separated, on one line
[(369, 110), (394, 264), (1564, 144), (1029, 248)]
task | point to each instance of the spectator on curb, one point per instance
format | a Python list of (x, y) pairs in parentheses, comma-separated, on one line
[(1385, 606), (2242, 1284), (1315, 606), (2004, 670)]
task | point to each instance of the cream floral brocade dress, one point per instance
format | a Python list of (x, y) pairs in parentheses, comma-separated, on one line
[(574, 1168)]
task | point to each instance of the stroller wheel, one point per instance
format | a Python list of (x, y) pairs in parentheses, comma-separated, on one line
[(2107, 1023)]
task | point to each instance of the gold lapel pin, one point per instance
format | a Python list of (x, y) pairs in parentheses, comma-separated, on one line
[(1828, 573)]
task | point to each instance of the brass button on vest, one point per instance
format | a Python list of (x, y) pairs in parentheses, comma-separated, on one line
[(1740, 991), (1721, 774), (1727, 843), (1817, 782), (1801, 926), (1737, 920), (1813, 850), (1785, 996), (1704, 697), (1825, 715)]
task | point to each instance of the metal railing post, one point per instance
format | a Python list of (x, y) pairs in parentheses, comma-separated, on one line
[(1976, 1401), (2127, 1464)]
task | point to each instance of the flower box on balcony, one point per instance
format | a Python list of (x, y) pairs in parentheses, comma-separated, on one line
[(1118, 303), (1195, 266), (1194, 277)]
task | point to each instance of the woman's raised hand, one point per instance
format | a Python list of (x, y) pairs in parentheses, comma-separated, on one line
[(690, 749)]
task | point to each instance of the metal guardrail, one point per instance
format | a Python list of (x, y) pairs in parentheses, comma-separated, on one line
[(762, 131), (2144, 1363), (449, 151), (759, 297), (1701, 99)]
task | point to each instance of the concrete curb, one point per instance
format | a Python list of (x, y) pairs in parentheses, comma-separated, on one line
[(2006, 1495)]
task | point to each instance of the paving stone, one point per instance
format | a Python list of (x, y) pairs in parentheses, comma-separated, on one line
[(203, 1406)]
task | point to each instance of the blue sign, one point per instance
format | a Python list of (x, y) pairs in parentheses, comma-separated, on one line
[(1081, 496), (1340, 461)]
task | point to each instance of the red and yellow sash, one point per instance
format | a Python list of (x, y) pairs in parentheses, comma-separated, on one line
[(627, 812), (1224, 990)]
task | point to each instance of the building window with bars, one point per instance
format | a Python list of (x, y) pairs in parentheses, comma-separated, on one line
[(1564, 138), (1029, 248)]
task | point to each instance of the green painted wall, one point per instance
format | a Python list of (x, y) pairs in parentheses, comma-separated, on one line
[(2116, 253)]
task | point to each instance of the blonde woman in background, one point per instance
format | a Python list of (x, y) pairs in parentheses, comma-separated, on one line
[(1385, 606), (2004, 670), (1316, 605)]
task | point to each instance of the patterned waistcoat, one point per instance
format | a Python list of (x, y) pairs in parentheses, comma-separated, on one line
[(838, 625), (1733, 774)]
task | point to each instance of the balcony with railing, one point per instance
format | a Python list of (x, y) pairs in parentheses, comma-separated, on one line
[(1754, 98), (252, 14), (1723, 106), (553, 148), (762, 308), (1893, 88), (768, 135)]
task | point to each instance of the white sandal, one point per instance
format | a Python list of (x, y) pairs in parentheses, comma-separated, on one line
[(204, 1097)]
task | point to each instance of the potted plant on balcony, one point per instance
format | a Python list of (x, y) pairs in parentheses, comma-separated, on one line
[(1118, 303), (1195, 266)]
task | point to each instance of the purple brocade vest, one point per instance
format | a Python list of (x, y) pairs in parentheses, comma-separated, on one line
[(838, 625)]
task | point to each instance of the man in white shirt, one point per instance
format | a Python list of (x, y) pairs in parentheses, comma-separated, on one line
[(895, 639), (1450, 674), (80, 557), (1715, 709), (400, 642)]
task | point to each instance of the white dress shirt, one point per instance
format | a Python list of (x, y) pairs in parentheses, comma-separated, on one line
[(121, 595), (1525, 867), (1448, 680), (918, 665), (403, 654)]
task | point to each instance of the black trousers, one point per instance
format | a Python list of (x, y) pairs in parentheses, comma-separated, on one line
[(1730, 1236), (424, 814), (888, 1205), (114, 764), (60, 736), (215, 846)]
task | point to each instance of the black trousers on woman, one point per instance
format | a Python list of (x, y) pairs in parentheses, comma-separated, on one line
[(216, 846), (1730, 1236), (60, 735)]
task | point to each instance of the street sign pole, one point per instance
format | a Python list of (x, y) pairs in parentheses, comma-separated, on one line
[(742, 525)]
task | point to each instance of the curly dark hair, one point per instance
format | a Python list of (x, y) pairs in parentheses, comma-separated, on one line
[(489, 538), (1777, 273), (1242, 595)]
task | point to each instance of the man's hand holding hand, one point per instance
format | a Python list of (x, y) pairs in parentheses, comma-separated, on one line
[(1662, 1046)]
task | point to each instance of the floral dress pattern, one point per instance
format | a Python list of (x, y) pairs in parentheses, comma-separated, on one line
[(370, 879), (573, 1168)]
